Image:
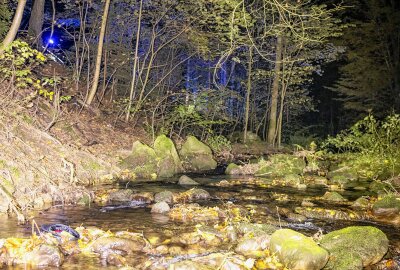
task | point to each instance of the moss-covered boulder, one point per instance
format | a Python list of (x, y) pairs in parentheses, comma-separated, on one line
[(169, 162), (387, 206), (297, 251), (354, 247), (142, 161), (281, 165), (196, 155), (342, 176)]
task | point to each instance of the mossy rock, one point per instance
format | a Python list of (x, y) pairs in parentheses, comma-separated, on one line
[(389, 204), (296, 251), (333, 197), (142, 160), (281, 165), (169, 162), (232, 169), (354, 247), (197, 156)]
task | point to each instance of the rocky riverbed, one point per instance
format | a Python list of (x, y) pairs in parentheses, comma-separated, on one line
[(214, 223)]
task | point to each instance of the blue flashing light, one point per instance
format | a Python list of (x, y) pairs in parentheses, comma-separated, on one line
[(51, 41)]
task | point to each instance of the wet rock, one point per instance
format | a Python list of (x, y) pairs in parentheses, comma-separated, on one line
[(118, 245), (187, 181), (293, 217), (169, 162), (142, 198), (43, 256), (253, 246), (122, 195), (163, 196), (361, 202), (142, 161), (226, 261), (387, 206), (254, 228), (193, 212), (293, 180), (333, 196), (189, 265), (342, 176), (322, 213), (160, 208), (307, 203), (194, 194), (196, 155), (297, 251), (232, 169), (280, 165), (354, 247)]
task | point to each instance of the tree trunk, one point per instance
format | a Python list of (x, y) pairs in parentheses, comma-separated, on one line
[(248, 92), (135, 62), (14, 26), (96, 75), (272, 127), (36, 21)]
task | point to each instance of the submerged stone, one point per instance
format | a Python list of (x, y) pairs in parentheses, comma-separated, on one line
[(187, 181), (354, 247), (297, 251), (160, 208)]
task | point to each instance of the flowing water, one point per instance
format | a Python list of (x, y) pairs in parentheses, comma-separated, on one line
[(266, 201)]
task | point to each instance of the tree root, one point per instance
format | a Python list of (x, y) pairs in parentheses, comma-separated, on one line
[(13, 205)]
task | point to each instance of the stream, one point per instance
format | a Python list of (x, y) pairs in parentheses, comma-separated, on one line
[(266, 201)]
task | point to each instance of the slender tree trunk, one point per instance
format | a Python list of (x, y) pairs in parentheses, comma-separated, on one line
[(36, 21), (14, 26), (275, 94), (96, 75), (135, 62), (248, 92)]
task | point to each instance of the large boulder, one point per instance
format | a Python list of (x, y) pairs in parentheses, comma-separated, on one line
[(281, 165), (387, 205), (196, 155), (354, 247), (169, 162), (297, 251), (142, 161)]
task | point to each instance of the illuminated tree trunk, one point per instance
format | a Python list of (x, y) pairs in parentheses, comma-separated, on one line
[(36, 21), (248, 92), (135, 62), (96, 75), (14, 26), (272, 127)]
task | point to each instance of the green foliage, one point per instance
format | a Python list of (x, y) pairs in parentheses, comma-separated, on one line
[(219, 144), (372, 147), (368, 136), (17, 62), (5, 18)]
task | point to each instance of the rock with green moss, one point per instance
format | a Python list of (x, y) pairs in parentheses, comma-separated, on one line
[(297, 251), (387, 206), (354, 247), (232, 169), (281, 165), (343, 175), (142, 161), (196, 155), (333, 196), (169, 162)]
